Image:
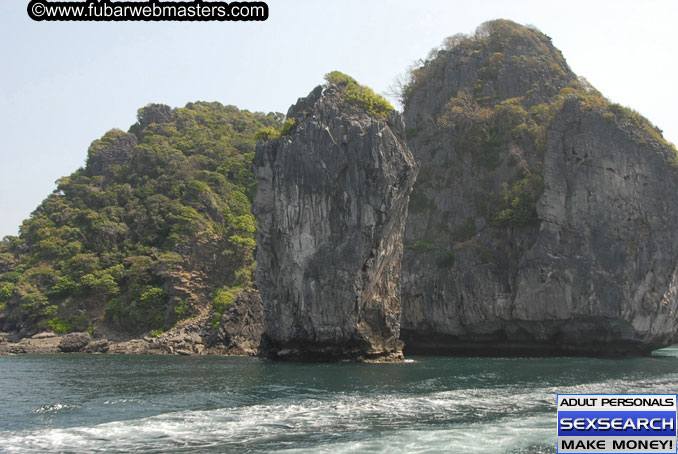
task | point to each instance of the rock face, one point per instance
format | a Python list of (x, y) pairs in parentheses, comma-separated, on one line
[(98, 346), (74, 342), (242, 325), (602, 273), (542, 220), (119, 153), (331, 206)]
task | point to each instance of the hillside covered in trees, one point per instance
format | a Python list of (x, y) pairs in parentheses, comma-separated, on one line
[(155, 228)]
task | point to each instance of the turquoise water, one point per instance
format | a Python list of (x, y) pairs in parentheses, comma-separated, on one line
[(160, 404)]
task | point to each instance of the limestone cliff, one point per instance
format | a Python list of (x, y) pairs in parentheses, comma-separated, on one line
[(542, 219), (331, 206)]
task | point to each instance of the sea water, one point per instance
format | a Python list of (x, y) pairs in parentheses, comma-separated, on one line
[(167, 404)]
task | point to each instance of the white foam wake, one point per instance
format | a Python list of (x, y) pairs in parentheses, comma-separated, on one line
[(476, 420)]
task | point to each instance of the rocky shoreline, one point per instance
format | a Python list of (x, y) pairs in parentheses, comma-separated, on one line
[(237, 334), (50, 343), (180, 342)]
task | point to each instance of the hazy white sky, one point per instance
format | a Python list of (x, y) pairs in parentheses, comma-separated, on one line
[(65, 84)]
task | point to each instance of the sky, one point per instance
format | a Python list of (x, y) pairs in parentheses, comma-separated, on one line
[(64, 84)]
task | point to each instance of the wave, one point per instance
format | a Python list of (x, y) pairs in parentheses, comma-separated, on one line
[(509, 419)]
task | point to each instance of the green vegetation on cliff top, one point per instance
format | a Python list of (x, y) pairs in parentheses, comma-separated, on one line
[(360, 96), (493, 129), (522, 53), (499, 46)]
